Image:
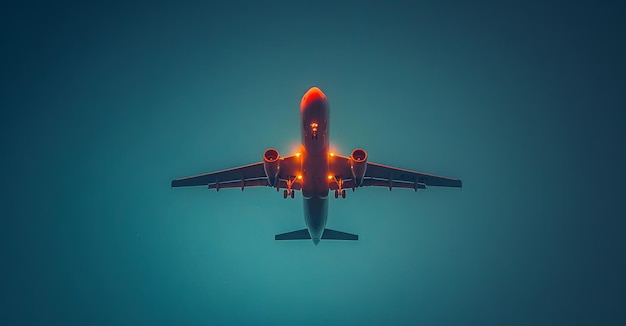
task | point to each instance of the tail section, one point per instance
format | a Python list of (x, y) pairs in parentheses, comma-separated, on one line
[(327, 235), (338, 235), (294, 235)]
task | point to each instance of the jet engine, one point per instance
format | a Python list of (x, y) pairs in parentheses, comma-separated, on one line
[(358, 165), (271, 165)]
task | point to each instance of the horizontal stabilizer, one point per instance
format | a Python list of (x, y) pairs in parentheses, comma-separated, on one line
[(294, 235), (338, 235), (327, 235)]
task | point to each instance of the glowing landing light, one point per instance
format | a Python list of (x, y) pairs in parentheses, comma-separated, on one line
[(297, 154), (332, 154), (330, 177), (299, 177)]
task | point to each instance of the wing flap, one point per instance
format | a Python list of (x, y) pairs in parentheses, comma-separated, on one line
[(239, 184), (348, 184)]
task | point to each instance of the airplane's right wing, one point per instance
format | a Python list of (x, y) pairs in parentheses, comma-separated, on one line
[(247, 175)]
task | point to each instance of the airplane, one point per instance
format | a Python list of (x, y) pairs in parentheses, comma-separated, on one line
[(316, 171)]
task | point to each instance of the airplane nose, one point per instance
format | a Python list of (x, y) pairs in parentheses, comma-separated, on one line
[(312, 95), (316, 241)]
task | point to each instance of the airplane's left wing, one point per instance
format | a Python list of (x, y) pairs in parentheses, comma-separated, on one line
[(377, 172), (251, 175), (379, 175)]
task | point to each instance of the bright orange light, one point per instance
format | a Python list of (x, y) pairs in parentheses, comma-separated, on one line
[(311, 96), (332, 154), (299, 177), (334, 149), (297, 154), (330, 177)]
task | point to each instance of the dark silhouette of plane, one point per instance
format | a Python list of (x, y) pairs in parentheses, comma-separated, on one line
[(316, 171)]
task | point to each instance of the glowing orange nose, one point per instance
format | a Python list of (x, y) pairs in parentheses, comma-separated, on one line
[(312, 95)]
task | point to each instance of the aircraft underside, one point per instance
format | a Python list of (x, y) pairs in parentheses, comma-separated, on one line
[(316, 172)]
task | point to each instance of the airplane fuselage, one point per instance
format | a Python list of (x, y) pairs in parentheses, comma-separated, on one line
[(314, 118)]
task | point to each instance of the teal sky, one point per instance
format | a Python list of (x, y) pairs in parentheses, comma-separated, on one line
[(102, 105)]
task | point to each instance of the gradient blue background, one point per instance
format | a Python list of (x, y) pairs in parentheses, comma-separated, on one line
[(102, 105)]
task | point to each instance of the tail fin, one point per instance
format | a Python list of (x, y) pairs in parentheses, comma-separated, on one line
[(338, 235), (327, 235)]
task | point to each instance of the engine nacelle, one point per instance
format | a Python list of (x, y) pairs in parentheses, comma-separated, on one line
[(271, 165), (358, 165)]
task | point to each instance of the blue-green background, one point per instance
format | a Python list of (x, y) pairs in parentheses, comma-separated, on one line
[(103, 104)]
